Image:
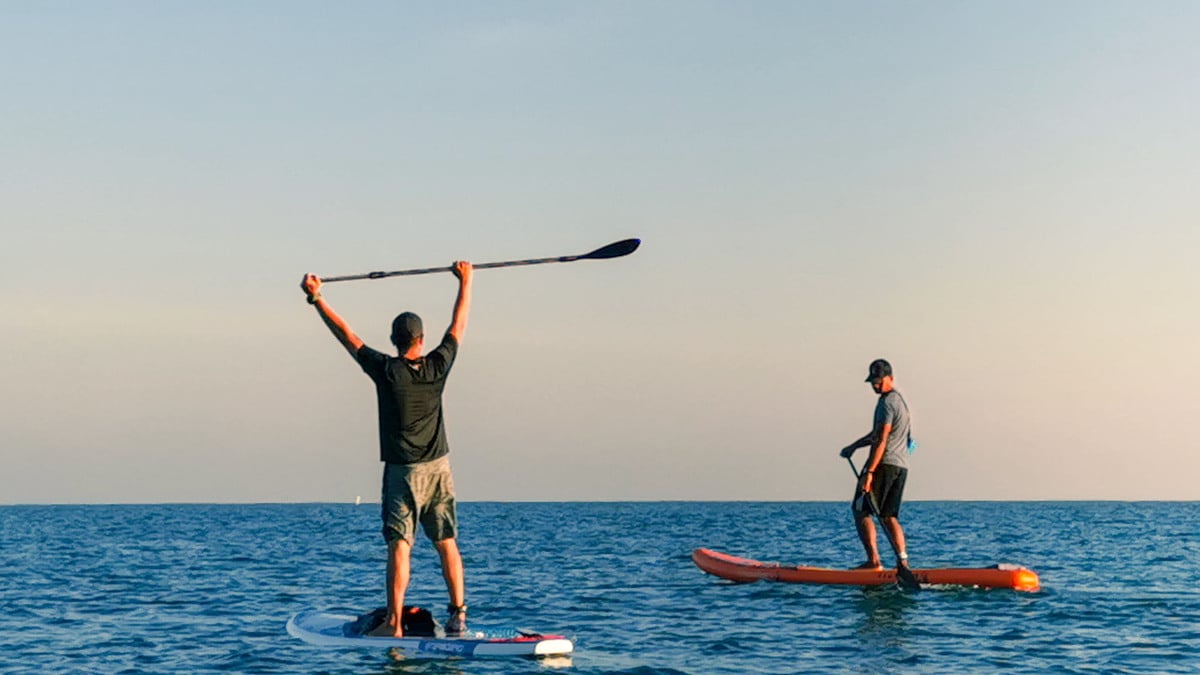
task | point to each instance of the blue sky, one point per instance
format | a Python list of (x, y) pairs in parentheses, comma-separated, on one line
[(998, 197)]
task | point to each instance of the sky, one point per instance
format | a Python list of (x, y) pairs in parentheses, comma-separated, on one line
[(998, 197)]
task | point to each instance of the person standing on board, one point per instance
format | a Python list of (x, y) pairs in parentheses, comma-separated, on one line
[(885, 470), (417, 484)]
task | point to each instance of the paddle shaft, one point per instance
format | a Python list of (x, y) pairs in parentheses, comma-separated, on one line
[(613, 250), (905, 575)]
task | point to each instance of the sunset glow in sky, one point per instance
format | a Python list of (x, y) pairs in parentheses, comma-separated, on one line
[(1000, 198)]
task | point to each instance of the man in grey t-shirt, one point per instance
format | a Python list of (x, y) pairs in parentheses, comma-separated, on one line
[(886, 469)]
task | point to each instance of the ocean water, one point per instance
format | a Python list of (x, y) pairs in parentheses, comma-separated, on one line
[(208, 588)]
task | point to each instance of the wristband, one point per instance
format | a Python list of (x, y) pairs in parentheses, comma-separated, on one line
[(312, 299)]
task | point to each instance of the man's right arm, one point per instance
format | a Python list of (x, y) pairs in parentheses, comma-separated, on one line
[(336, 324)]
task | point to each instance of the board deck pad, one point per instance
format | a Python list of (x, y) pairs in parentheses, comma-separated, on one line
[(745, 570), (329, 629)]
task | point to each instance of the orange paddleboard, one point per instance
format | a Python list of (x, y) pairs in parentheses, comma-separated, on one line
[(745, 570)]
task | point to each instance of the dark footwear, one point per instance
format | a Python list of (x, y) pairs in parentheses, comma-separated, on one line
[(456, 623)]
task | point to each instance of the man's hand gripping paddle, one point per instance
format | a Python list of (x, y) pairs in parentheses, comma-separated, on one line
[(904, 576)]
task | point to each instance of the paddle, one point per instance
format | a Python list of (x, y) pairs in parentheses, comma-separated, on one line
[(906, 578), (613, 250)]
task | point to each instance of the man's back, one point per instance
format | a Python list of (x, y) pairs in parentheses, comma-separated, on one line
[(412, 426)]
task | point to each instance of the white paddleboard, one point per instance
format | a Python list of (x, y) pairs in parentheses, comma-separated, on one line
[(330, 629)]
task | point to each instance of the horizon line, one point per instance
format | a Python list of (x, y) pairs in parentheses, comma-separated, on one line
[(612, 501)]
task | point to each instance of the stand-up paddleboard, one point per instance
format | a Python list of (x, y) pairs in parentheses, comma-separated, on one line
[(746, 570), (336, 629)]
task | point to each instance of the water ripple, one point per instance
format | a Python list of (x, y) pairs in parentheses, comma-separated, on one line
[(207, 588)]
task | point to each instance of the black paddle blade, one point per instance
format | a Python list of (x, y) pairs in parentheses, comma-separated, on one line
[(613, 250), (906, 579)]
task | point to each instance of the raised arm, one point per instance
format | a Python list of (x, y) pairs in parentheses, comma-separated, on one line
[(462, 305), (337, 325)]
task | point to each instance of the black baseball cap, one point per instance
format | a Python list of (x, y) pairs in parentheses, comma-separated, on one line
[(405, 328), (878, 370)]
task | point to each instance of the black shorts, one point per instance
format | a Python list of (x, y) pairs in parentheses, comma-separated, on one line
[(888, 489)]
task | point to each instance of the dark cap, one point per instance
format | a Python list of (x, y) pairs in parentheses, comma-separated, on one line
[(878, 370), (406, 328)]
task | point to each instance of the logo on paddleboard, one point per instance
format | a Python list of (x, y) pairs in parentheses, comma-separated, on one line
[(446, 647)]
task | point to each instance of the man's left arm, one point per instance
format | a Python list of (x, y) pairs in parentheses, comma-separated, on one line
[(863, 442), (336, 324)]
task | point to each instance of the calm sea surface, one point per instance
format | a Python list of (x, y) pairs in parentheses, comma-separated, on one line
[(208, 588)]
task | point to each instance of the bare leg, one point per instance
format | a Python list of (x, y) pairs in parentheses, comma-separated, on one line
[(397, 583), (452, 570), (892, 524), (866, 532)]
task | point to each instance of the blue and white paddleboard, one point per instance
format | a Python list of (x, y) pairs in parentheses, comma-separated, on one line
[(331, 629)]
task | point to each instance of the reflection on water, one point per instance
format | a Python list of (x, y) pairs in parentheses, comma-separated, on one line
[(884, 612), (406, 664), (203, 588), (400, 662)]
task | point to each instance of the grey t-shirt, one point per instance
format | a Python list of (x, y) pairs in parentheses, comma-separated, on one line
[(891, 409)]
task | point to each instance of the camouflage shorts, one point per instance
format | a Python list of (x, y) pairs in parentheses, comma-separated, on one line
[(419, 493)]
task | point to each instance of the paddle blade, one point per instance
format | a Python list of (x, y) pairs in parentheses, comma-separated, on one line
[(613, 250), (906, 579)]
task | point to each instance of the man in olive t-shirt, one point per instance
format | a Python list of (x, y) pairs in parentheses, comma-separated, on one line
[(417, 483)]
